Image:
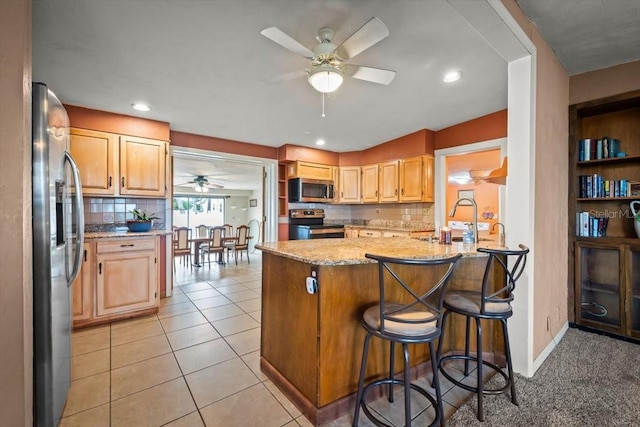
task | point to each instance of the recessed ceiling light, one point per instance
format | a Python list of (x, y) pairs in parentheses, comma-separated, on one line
[(452, 76), (140, 106), (320, 142)]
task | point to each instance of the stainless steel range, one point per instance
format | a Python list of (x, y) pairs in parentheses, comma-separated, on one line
[(307, 224)]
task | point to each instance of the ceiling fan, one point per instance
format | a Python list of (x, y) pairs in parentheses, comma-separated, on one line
[(201, 184), (329, 62)]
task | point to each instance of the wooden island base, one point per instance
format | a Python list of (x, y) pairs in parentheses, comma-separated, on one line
[(311, 344)]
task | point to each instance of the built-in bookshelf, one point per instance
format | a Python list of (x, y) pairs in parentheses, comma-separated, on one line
[(604, 250)]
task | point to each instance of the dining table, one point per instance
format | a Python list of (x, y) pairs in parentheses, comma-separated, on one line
[(197, 242)]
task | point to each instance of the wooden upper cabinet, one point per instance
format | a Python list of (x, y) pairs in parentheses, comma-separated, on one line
[(349, 184), (428, 181), (114, 165), (96, 155), (301, 169), (388, 183), (142, 166), (411, 174), (370, 183)]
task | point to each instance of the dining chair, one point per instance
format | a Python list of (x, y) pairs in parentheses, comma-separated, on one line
[(181, 248), (241, 243), (202, 231), (215, 244)]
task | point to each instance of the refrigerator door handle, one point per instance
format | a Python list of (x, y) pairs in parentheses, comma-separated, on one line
[(79, 209)]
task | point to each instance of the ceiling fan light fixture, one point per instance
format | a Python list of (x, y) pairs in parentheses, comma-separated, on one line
[(325, 78), (201, 189), (452, 76)]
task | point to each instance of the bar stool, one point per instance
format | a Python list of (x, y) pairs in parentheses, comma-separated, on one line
[(488, 304), (416, 287)]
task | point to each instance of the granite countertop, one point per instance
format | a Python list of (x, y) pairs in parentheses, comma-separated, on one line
[(123, 234), (351, 251)]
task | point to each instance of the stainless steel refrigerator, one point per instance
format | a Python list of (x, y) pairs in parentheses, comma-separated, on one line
[(58, 234)]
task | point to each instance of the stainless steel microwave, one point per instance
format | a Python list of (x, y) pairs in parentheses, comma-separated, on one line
[(310, 190)]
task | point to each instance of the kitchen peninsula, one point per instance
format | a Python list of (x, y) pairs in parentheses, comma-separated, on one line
[(311, 342)]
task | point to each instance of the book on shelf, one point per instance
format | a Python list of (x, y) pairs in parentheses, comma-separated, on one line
[(595, 186), (588, 225), (595, 149)]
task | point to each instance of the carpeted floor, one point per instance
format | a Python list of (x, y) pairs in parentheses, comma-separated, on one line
[(589, 380)]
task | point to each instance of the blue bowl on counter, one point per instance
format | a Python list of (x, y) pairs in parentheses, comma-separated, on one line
[(139, 226)]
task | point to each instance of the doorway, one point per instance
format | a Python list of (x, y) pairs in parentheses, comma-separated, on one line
[(246, 184), (453, 180)]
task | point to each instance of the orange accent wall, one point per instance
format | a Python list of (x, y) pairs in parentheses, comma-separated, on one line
[(189, 140), (290, 153), (162, 261), (87, 118), (491, 126), (413, 144)]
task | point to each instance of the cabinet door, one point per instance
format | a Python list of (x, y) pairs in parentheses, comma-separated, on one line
[(126, 281), (83, 285), (369, 233), (349, 184), (370, 183), (388, 183), (96, 156), (411, 179), (300, 169), (142, 166), (599, 302), (428, 180), (633, 292)]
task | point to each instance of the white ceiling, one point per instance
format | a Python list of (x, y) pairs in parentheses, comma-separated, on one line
[(588, 35), (204, 67)]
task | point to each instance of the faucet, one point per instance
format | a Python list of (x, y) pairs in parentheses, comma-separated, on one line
[(501, 236), (474, 221)]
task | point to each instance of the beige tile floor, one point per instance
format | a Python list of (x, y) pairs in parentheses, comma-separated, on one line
[(196, 363)]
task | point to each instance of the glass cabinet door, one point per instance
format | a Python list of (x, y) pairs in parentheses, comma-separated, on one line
[(599, 281), (634, 285)]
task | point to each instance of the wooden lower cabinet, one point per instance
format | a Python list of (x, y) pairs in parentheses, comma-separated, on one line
[(607, 287), (121, 281), (83, 286)]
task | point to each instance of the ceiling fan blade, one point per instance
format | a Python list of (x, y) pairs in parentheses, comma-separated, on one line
[(365, 37), (286, 41), (375, 75)]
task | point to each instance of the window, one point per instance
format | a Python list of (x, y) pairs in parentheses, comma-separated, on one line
[(193, 211)]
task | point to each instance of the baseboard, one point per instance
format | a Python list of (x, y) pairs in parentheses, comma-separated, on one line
[(549, 348)]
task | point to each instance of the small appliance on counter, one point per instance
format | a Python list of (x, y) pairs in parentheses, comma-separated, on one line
[(307, 224)]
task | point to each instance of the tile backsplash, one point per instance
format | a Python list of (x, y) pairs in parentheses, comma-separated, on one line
[(107, 213), (393, 215)]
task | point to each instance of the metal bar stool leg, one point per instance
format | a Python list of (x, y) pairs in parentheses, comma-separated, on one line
[(479, 370), (435, 381), (407, 386), (507, 350), (363, 367), (466, 347), (392, 361), (440, 339)]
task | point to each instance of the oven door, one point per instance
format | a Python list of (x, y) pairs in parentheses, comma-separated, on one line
[(326, 233)]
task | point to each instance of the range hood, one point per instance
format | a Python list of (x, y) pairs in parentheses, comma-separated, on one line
[(498, 176)]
